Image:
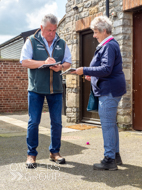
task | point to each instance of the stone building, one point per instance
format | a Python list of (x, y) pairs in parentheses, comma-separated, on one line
[(126, 16)]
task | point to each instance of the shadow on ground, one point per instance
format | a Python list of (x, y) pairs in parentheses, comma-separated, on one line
[(14, 149), (126, 175)]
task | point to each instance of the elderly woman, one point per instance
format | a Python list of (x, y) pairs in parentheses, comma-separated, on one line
[(108, 83)]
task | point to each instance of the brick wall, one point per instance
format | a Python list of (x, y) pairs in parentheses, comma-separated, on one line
[(13, 86)]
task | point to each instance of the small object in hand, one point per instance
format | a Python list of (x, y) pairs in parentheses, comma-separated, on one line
[(69, 71), (88, 143)]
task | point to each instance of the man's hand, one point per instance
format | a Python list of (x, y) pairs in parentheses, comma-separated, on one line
[(50, 60), (79, 71), (56, 68)]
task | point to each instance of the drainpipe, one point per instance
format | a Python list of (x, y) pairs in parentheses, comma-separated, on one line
[(107, 8)]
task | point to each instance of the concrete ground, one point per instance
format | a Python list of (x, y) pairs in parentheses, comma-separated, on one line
[(77, 173)]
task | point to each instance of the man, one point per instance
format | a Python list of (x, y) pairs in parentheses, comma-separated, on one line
[(45, 47)]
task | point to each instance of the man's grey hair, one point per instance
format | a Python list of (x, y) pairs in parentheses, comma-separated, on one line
[(49, 18), (101, 23)]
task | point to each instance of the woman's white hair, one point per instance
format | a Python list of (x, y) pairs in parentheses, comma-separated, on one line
[(49, 18), (101, 23)]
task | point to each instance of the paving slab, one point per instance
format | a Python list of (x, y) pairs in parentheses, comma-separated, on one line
[(78, 172)]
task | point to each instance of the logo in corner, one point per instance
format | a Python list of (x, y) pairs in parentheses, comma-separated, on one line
[(58, 47)]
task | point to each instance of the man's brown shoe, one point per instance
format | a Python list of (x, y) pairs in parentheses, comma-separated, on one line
[(31, 162), (57, 158)]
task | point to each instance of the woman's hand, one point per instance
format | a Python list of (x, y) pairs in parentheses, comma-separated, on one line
[(79, 71), (88, 78)]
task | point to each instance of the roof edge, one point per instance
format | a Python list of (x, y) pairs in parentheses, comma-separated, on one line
[(60, 22), (22, 35), (10, 41)]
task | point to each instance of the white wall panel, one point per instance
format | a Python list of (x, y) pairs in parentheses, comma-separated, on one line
[(12, 50)]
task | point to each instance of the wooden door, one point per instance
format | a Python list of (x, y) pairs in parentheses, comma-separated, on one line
[(137, 70), (87, 49)]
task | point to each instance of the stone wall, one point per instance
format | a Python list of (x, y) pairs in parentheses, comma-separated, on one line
[(123, 33), (78, 20)]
